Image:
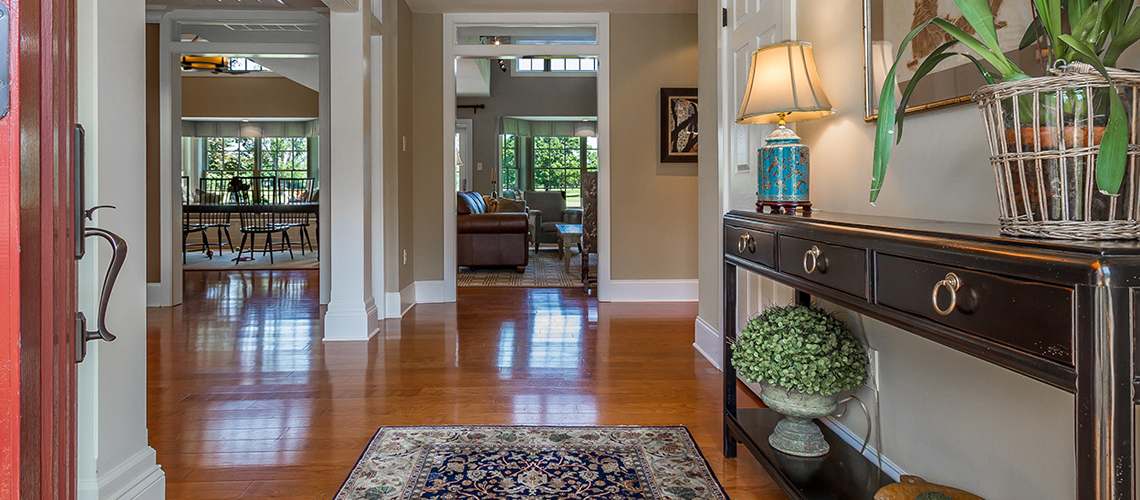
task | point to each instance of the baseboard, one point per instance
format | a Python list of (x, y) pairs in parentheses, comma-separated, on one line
[(397, 304), (138, 478), (654, 290), (351, 321), (869, 452), (154, 294), (433, 292), (407, 298), (707, 341)]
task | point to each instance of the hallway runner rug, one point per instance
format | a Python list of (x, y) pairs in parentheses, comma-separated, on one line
[(538, 463)]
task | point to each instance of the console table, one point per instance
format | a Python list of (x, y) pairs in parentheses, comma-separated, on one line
[(1061, 312)]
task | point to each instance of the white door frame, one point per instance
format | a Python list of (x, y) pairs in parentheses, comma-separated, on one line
[(451, 50), (465, 128), (168, 292)]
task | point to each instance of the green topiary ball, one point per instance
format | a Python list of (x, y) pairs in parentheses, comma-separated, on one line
[(801, 348)]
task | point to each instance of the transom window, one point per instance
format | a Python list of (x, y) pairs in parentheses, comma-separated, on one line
[(556, 65)]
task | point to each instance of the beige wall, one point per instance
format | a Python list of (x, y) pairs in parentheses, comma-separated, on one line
[(654, 215), (406, 133), (153, 162), (425, 143), (945, 415), (521, 96), (237, 96)]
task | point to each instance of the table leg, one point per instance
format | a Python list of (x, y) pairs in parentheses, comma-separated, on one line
[(565, 247)]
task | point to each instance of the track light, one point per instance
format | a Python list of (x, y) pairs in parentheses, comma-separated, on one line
[(503, 65)]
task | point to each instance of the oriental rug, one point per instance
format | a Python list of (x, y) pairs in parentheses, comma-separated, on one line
[(533, 463)]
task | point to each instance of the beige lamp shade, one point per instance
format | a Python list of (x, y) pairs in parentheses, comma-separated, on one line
[(783, 80)]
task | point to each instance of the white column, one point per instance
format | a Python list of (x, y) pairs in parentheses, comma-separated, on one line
[(114, 460), (352, 311)]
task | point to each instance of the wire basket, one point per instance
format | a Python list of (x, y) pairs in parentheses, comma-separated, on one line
[(1044, 135)]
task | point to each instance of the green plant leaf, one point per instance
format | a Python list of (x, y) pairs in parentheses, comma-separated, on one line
[(1032, 33), (981, 17), (1110, 160), (1050, 12), (934, 59), (1128, 34)]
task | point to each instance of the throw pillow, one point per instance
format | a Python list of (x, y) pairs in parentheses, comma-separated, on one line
[(506, 205), (492, 204)]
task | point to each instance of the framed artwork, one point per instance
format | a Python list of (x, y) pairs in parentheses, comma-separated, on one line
[(678, 125), (887, 22)]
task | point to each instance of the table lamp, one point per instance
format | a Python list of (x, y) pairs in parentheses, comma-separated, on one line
[(783, 86)]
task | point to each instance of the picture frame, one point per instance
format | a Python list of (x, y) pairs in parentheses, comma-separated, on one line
[(885, 23), (679, 113)]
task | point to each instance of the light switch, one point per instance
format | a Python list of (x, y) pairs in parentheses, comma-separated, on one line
[(479, 166)]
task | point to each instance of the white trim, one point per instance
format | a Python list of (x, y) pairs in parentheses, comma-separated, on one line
[(892, 470), (139, 477), (710, 339), (344, 320), (397, 304), (654, 290), (601, 50), (154, 294), (435, 292)]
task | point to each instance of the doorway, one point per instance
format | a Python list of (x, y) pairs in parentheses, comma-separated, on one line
[(505, 39)]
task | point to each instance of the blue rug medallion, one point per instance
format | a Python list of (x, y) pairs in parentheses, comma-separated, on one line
[(534, 463)]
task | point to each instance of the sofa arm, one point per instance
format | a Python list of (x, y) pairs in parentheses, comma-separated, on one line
[(494, 223)]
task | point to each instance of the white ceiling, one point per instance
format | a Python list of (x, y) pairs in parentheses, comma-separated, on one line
[(614, 6)]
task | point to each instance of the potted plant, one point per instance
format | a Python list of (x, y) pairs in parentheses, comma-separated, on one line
[(1059, 144), (803, 357)]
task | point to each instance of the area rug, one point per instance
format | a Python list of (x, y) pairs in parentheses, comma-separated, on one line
[(533, 463), (198, 261), (545, 270)]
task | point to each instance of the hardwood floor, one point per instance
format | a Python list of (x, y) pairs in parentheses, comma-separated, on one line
[(246, 401)]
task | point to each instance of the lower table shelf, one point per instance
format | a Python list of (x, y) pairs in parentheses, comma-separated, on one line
[(842, 474)]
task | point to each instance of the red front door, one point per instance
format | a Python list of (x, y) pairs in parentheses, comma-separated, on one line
[(37, 256)]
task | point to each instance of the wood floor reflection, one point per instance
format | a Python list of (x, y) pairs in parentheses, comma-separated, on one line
[(246, 401)]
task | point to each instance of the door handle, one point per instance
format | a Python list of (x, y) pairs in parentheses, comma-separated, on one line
[(82, 335)]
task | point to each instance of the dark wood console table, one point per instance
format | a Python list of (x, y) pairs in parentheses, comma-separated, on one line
[(1061, 312)]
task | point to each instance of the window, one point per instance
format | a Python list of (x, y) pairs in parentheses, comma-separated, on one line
[(509, 168), (559, 163), (284, 157), (534, 65), (242, 65)]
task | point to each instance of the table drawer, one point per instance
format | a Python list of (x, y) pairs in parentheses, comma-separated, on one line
[(751, 245), (839, 267), (1033, 317)]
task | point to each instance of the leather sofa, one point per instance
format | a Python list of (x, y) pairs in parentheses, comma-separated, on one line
[(489, 239)]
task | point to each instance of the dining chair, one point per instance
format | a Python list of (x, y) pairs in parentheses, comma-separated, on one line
[(291, 191)]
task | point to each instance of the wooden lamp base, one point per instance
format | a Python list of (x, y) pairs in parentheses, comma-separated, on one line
[(784, 207)]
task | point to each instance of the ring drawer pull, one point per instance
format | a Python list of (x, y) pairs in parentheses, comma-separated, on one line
[(746, 242), (814, 253), (951, 283)]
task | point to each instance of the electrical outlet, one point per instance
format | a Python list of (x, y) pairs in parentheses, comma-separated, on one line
[(405, 257), (873, 383)]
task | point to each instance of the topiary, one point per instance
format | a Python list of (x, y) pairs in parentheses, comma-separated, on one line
[(800, 348)]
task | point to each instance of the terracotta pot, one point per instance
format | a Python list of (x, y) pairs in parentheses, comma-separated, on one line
[(1075, 137)]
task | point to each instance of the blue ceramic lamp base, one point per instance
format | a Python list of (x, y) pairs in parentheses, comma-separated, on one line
[(783, 182)]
